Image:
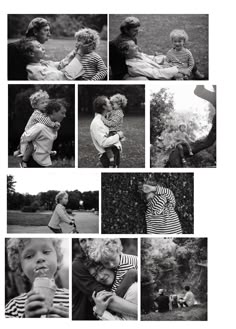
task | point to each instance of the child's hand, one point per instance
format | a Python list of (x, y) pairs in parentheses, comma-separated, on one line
[(35, 306), (148, 188), (59, 311), (57, 125), (102, 300)]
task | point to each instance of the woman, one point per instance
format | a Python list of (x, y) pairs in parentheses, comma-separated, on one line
[(161, 217), (43, 137), (84, 288)]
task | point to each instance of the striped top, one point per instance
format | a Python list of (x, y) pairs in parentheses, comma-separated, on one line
[(114, 121), (161, 217), (127, 262), (38, 116), (182, 58), (94, 67), (16, 306)]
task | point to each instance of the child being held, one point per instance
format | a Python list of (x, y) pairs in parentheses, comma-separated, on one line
[(114, 121), (39, 101), (87, 40), (182, 139), (37, 260)]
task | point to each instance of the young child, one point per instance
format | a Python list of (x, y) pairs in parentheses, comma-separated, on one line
[(87, 41), (39, 101), (34, 258), (33, 52), (182, 139), (114, 121), (109, 253), (60, 215)]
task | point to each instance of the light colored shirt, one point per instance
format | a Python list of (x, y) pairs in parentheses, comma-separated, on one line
[(59, 216), (42, 138), (189, 298), (99, 133), (146, 66)]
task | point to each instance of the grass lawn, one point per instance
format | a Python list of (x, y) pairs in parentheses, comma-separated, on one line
[(13, 162), (156, 31), (133, 155)]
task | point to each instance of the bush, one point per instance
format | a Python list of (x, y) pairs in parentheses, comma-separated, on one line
[(28, 209)]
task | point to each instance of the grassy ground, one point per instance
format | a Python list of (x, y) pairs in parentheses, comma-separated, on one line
[(13, 162), (133, 155), (156, 30), (57, 49), (195, 313), (19, 222)]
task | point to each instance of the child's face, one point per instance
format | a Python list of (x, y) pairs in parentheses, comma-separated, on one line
[(38, 51), (64, 200), (39, 255), (133, 50), (178, 43), (103, 275), (182, 128), (112, 262), (115, 105), (42, 103)]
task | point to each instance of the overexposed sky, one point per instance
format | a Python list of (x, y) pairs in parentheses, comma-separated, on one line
[(33, 182)]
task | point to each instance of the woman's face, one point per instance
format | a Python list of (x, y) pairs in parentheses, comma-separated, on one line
[(59, 115), (102, 275), (43, 34)]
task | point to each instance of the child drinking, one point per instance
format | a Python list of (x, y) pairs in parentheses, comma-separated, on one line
[(87, 41), (33, 259), (39, 101), (182, 139), (60, 215), (114, 121)]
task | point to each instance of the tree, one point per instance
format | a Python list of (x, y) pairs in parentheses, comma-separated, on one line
[(10, 184)]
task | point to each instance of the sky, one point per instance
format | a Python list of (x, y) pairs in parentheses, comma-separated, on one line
[(32, 182)]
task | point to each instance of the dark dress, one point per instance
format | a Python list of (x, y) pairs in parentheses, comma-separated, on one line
[(16, 62), (163, 303)]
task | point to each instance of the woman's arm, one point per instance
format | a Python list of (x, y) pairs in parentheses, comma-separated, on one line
[(122, 306)]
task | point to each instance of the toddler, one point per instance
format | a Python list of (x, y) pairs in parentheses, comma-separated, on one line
[(34, 258), (181, 139), (39, 101), (114, 121), (87, 41)]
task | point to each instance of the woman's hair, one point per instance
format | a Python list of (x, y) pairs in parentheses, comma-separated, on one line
[(121, 100), (104, 249), (88, 37), (38, 96), (129, 23), (54, 105), (15, 247), (60, 196), (179, 34), (99, 103), (35, 26)]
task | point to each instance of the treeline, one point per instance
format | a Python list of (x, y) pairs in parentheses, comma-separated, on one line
[(61, 26), (134, 93), (20, 110)]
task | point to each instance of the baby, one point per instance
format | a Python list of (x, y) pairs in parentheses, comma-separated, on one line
[(36, 258), (182, 139), (87, 41), (114, 121), (39, 101)]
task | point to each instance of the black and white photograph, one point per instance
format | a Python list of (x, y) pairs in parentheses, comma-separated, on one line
[(52, 202), (36, 278), (147, 203), (158, 47), (41, 126), (183, 126), (174, 279), (111, 126), (104, 279), (57, 47)]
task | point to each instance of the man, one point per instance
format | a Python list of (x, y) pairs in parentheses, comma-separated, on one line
[(189, 299), (162, 301), (100, 133), (38, 29)]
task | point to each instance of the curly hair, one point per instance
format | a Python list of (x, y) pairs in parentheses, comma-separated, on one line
[(179, 34), (15, 246), (103, 249), (121, 100), (60, 196), (88, 37), (38, 96)]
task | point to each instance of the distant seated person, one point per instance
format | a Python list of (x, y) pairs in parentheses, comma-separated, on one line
[(146, 66), (189, 299), (174, 302), (37, 68), (182, 139), (162, 302)]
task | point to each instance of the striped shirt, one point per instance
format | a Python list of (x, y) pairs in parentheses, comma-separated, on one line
[(114, 121), (94, 67), (16, 306), (182, 58), (39, 117), (127, 262), (161, 217)]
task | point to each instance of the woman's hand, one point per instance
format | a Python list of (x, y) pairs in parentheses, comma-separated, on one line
[(59, 311), (149, 188), (35, 305), (102, 300)]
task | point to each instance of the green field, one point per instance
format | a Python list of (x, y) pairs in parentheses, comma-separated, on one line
[(156, 31), (133, 155), (13, 162)]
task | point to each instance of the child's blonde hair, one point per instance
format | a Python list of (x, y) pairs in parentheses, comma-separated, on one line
[(88, 37), (104, 249), (119, 99), (15, 246), (38, 96), (60, 196), (179, 34)]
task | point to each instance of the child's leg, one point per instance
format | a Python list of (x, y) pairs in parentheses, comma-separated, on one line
[(196, 74), (110, 156), (27, 154), (181, 152), (189, 148)]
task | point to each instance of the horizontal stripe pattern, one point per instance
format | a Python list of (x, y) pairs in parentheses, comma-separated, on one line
[(94, 67), (182, 58)]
